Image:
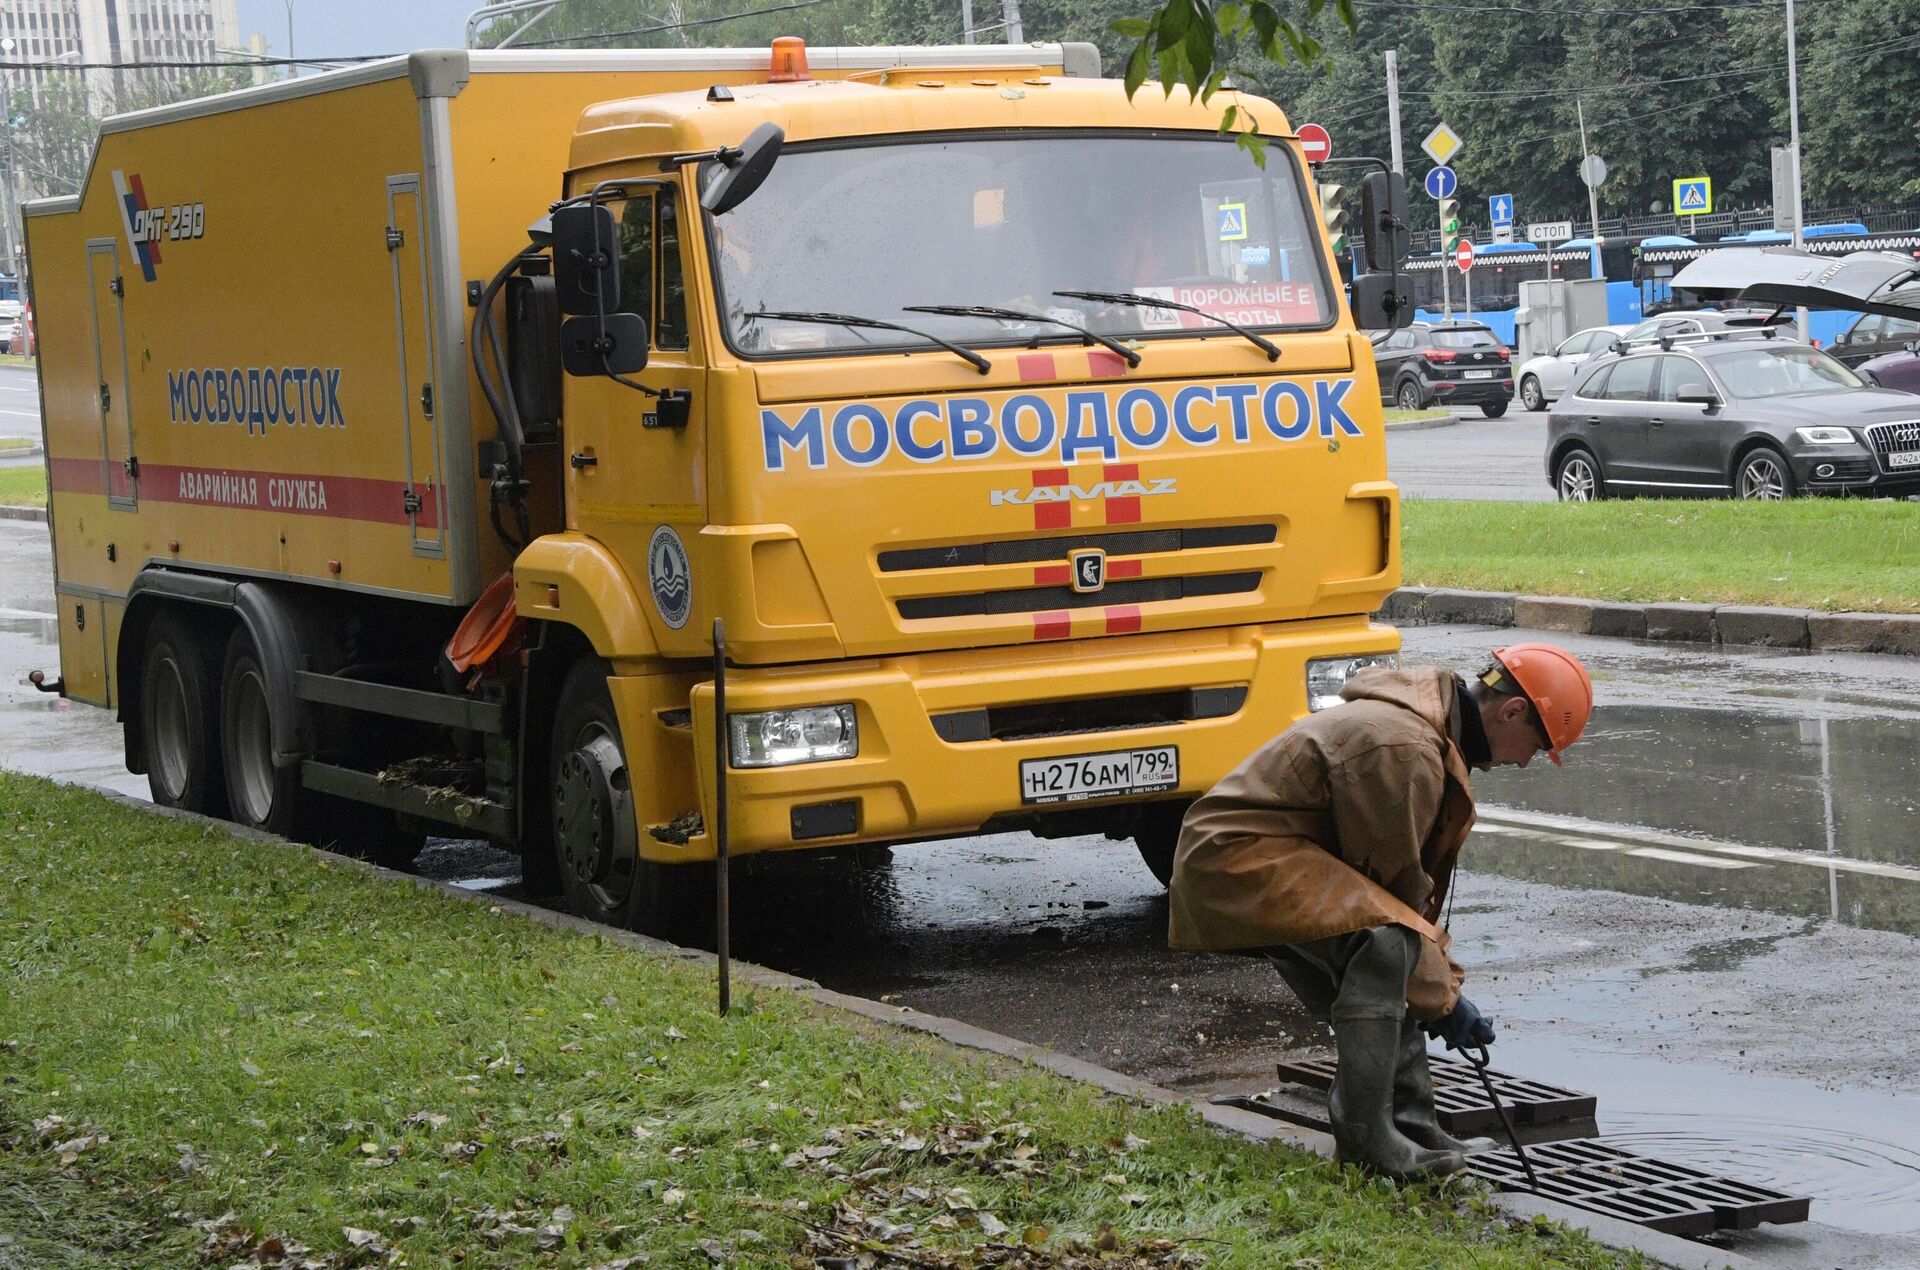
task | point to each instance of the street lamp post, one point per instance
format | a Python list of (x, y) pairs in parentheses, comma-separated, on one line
[(293, 67), (1793, 144)]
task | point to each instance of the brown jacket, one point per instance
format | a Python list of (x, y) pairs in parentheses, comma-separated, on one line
[(1351, 818)]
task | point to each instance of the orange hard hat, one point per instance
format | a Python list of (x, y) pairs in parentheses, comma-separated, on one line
[(1558, 686)]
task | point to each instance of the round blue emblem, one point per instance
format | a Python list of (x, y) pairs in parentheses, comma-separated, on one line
[(670, 577)]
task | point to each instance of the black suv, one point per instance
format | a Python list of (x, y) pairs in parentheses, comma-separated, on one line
[(1447, 364), (1741, 416)]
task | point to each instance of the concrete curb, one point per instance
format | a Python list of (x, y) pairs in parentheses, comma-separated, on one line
[(1736, 624), (1423, 425), (38, 514), (33, 451), (1669, 1250)]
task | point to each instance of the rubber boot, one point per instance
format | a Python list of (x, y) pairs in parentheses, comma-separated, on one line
[(1368, 1013), (1413, 1113)]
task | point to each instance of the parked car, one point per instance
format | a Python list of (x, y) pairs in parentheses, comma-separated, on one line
[(1445, 363), (1542, 379), (1894, 370), (1747, 418), (1874, 335), (13, 335)]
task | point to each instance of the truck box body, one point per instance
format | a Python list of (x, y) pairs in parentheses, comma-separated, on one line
[(1014, 574)]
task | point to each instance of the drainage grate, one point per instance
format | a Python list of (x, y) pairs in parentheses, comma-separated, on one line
[(1462, 1104), (1658, 1194)]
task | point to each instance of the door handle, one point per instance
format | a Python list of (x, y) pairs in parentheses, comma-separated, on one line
[(580, 460)]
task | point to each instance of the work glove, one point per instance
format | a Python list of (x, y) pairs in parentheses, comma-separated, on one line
[(1464, 1027)]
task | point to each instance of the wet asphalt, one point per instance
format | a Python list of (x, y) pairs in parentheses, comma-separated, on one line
[(1710, 917)]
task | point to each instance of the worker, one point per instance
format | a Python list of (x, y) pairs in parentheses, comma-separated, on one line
[(1330, 850)]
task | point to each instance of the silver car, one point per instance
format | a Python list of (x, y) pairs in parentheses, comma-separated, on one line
[(1544, 378)]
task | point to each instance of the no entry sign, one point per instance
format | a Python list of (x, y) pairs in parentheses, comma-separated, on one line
[(1463, 256), (1315, 143)]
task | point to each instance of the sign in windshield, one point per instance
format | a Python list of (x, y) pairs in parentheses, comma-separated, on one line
[(871, 230)]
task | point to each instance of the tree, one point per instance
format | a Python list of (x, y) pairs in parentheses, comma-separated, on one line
[(52, 136)]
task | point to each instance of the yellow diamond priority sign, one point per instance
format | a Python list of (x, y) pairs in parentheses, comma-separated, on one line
[(1442, 144), (1693, 195)]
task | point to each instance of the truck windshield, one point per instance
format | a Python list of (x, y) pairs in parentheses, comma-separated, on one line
[(1007, 222)]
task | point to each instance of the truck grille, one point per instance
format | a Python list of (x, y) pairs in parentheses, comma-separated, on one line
[(1031, 720), (1894, 438), (1143, 542), (1044, 598)]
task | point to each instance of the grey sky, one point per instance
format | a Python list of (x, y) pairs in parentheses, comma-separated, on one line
[(343, 28)]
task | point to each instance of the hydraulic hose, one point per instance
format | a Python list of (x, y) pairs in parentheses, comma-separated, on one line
[(499, 396)]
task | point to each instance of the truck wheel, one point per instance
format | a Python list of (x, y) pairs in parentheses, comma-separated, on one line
[(178, 713), (1156, 834), (595, 830), (260, 795)]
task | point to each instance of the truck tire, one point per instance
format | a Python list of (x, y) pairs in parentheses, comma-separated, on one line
[(259, 794), (595, 829), (179, 716)]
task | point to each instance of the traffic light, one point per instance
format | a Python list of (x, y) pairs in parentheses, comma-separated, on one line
[(1334, 216), (1449, 224)]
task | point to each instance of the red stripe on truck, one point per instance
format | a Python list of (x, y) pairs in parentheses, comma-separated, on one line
[(295, 493)]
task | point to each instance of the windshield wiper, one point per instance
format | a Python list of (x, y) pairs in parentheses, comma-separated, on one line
[(978, 362), (1266, 346), (1020, 315)]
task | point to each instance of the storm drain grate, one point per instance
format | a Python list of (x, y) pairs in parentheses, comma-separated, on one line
[(1658, 1194), (1461, 1102)]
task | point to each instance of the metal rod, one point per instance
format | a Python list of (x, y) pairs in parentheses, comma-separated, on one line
[(722, 901), (1793, 125), (1480, 1061)]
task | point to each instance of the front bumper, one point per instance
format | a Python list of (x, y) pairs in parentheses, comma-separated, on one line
[(909, 782), (1852, 471)]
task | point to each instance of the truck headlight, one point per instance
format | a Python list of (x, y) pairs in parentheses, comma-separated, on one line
[(1326, 676), (1825, 436), (777, 738)]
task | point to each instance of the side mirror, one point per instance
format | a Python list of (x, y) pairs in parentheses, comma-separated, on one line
[(1381, 301), (737, 173), (586, 259), (1385, 228), (1707, 399), (618, 347)]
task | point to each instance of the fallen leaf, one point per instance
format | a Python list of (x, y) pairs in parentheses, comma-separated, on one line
[(992, 1227), (673, 1197)]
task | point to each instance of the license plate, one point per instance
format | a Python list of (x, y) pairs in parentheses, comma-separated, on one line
[(1905, 458), (1073, 778), (1479, 374)]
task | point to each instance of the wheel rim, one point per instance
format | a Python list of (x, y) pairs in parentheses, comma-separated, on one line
[(1409, 397), (593, 826), (251, 739), (1577, 481), (1762, 478), (172, 739), (1530, 394)]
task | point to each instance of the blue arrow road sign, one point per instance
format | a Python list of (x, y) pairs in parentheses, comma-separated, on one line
[(1441, 183), (1501, 207)]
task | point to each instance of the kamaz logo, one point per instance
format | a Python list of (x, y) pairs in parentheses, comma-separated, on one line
[(1081, 493)]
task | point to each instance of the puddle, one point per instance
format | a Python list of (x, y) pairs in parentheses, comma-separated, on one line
[(1803, 817), (1847, 1150)]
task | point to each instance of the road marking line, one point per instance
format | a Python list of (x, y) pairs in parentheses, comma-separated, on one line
[(1510, 818), (1683, 857), (27, 615), (24, 414)]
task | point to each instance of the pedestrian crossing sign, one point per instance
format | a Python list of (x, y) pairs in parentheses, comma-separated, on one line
[(1233, 222), (1693, 195)]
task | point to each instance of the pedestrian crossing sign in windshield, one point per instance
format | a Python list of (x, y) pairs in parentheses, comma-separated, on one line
[(1693, 195), (1233, 222)]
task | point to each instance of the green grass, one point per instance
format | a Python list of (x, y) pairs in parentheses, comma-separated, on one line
[(245, 1042), (14, 359), (1808, 553), (1395, 415), (16, 443), (23, 486)]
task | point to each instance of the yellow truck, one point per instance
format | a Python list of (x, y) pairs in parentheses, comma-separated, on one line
[(416, 434)]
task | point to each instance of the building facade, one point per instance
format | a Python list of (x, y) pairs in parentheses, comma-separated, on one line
[(50, 33)]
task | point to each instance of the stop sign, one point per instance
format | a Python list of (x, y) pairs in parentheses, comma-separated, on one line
[(1463, 255), (1315, 143)]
